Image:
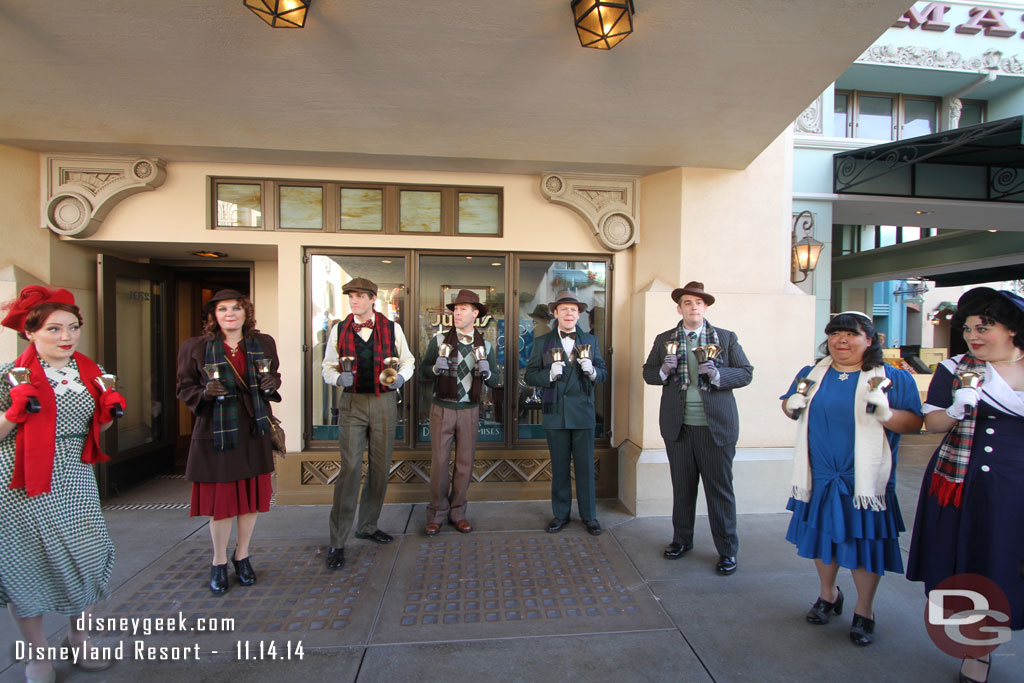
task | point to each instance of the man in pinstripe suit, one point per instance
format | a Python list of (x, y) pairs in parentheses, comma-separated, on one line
[(699, 421)]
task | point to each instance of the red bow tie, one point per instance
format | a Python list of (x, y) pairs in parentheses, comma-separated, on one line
[(358, 326)]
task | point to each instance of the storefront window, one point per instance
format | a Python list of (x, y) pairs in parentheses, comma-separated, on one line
[(440, 279), (538, 282), (328, 306)]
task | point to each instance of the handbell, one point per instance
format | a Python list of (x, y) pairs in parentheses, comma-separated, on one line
[(882, 383), (346, 363), (212, 371), (707, 352), (389, 375), (480, 353), (109, 383), (263, 368), (969, 380), (671, 348), (803, 385), (557, 355), (444, 349), (18, 376), (582, 351)]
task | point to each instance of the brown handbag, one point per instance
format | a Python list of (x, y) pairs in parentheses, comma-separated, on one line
[(277, 438)]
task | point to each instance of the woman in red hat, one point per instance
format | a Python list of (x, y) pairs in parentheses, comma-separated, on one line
[(230, 458), (57, 555)]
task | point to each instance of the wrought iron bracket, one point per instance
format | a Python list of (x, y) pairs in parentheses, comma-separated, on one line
[(80, 190)]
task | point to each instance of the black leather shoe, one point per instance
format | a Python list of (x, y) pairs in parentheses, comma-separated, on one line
[(335, 558), (243, 570), (219, 578), (556, 525), (863, 630), (377, 536), (593, 527), (673, 551), (726, 564), (822, 610)]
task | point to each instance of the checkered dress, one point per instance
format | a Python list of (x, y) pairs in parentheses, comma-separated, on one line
[(57, 555)]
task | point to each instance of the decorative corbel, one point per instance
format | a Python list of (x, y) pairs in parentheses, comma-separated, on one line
[(606, 203), (79, 191)]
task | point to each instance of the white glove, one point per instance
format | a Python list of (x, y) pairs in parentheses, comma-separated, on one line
[(587, 366), (440, 364), (796, 403), (346, 379), (556, 369), (399, 381), (877, 398), (484, 368), (962, 398)]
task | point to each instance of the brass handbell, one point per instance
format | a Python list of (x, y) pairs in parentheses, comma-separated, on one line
[(389, 375), (969, 380), (109, 383), (444, 349), (346, 363), (707, 352), (582, 351), (803, 385), (671, 348), (882, 383), (479, 354), (18, 376), (557, 355)]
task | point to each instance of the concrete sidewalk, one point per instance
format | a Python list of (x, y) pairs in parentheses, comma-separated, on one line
[(507, 602)]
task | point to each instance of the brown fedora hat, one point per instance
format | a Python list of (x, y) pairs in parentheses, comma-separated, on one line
[(223, 295), (360, 284), (693, 288), (566, 297), (468, 296)]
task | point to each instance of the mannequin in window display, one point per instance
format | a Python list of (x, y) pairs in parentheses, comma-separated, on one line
[(541, 317), (460, 362), (566, 364), (360, 357)]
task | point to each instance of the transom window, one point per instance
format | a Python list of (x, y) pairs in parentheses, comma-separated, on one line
[(885, 116)]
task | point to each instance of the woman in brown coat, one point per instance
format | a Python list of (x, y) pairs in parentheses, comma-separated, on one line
[(230, 458)]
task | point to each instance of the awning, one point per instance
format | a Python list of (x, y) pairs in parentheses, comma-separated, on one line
[(983, 163)]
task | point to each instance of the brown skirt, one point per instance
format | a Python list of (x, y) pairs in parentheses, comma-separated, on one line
[(226, 499)]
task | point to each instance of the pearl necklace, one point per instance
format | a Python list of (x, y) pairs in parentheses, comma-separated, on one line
[(1011, 360)]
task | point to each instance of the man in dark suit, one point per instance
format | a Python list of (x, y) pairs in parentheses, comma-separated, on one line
[(699, 421), (559, 364)]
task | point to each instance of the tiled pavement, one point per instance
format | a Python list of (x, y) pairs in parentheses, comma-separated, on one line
[(505, 603)]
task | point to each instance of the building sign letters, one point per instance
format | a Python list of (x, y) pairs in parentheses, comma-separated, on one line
[(932, 17)]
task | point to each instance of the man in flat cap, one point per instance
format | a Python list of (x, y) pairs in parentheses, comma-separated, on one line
[(699, 421), (566, 363), (368, 412), (458, 378)]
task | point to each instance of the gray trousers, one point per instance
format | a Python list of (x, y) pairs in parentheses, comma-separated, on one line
[(364, 420), (693, 457), (447, 426)]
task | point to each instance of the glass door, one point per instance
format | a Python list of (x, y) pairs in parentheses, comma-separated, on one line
[(135, 332)]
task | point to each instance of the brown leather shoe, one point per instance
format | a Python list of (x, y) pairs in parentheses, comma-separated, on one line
[(433, 529), (463, 526)]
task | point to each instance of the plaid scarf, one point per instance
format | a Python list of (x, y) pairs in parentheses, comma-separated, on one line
[(947, 484), (383, 340), (707, 336), (447, 382), (225, 413)]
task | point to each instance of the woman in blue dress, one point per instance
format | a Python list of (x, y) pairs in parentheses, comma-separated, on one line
[(970, 514), (845, 512)]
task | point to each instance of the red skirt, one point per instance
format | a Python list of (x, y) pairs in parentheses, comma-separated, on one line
[(223, 500)]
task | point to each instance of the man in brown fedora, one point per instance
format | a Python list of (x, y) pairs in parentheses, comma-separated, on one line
[(368, 413), (699, 421), (568, 408), (455, 407)]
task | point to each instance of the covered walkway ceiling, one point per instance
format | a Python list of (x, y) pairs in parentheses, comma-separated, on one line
[(444, 84)]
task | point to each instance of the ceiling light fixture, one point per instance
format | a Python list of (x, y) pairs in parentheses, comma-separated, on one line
[(280, 13), (601, 24), (919, 212), (209, 254)]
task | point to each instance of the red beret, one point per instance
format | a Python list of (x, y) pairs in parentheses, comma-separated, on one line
[(31, 297)]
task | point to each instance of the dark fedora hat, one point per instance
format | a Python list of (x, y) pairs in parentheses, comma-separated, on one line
[(223, 295), (693, 288), (360, 284), (566, 297), (541, 312), (468, 296)]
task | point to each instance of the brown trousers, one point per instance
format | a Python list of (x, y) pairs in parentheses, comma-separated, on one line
[(447, 425)]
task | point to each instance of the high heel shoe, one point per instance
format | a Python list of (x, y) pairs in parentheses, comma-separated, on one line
[(219, 578), (243, 570), (964, 678), (83, 662), (821, 610), (862, 632)]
